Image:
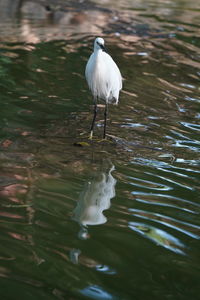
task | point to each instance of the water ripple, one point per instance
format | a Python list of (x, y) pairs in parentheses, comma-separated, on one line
[(158, 236), (188, 98), (192, 126), (96, 292), (184, 227), (147, 184), (167, 201)]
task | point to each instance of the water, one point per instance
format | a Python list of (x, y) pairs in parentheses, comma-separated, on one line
[(112, 220)]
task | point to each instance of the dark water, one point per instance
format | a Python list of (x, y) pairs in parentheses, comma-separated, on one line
[(112, 220)]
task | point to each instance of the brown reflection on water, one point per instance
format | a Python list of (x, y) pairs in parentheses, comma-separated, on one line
[(36, 21)]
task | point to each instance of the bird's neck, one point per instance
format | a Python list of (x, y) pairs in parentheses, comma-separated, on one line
[(98, 52), (97, 55)]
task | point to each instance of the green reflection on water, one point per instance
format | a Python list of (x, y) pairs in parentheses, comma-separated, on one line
[(141, 188)]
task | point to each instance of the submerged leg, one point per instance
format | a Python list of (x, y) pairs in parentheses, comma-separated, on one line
[(105, 119), (93, 121)]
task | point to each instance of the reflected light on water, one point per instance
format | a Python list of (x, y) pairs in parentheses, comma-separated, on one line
[(186, 228), (94, 199), (96, 292), (158, 236)]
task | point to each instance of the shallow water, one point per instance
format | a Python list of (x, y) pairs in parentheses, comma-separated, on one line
[(105, 220)]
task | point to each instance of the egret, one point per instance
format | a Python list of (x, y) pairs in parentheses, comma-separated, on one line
[(104, 79)]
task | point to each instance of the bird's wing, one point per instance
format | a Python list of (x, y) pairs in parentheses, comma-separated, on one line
[(113, 77), (89, 70)]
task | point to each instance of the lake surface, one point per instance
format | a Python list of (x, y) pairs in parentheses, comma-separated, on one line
[(100, 220)]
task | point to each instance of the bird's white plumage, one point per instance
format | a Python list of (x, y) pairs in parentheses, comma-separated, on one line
[(102, 74)]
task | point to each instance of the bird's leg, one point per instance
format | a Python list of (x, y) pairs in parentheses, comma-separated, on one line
[(105, 119), (93, 121)]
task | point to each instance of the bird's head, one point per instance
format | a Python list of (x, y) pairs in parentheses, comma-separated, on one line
[(99, 44)]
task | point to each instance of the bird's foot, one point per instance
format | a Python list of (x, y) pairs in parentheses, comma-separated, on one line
[(104, 140)]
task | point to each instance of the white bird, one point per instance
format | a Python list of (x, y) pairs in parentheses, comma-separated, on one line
[(104, 79)]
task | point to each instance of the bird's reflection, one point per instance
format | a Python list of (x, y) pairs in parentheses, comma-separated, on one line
[(94, 199)]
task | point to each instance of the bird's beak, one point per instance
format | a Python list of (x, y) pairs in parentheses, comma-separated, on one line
[(103, 48)]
